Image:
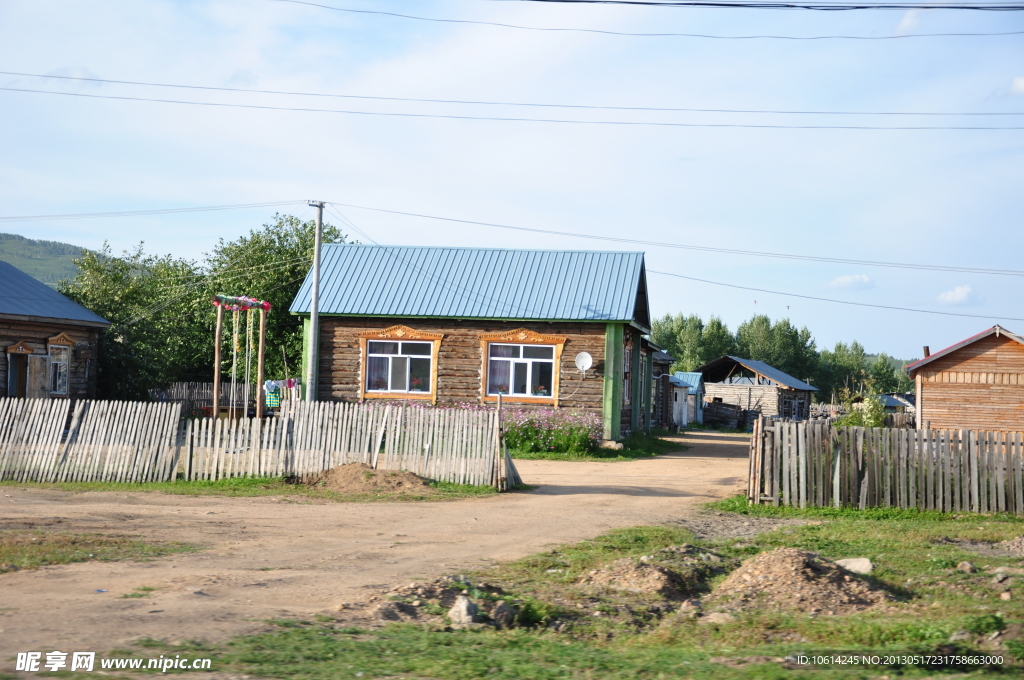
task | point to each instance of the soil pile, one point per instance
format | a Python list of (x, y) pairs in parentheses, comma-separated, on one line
[(1014, 546), (361, 478), (675, 573), (787, 578), (429, 602)]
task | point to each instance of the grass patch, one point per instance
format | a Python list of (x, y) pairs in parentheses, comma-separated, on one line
[(636, 446), (33, 549), (914, 559), (261, 486)]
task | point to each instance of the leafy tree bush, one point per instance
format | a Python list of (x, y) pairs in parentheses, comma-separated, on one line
[(159, 306)]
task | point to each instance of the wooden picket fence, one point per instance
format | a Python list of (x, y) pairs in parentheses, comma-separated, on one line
[(811, 465), (49, 440), (451, 445)]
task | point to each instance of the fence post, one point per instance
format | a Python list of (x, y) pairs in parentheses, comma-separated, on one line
[(498, 458)]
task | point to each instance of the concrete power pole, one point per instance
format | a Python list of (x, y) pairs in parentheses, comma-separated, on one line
[(314, 307)]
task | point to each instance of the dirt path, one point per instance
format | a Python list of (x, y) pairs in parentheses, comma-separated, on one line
[(268, 557)]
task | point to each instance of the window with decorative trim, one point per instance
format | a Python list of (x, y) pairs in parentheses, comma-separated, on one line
[(521, 365), (521, 370), (398, 366), (399, 362), (59, 365)]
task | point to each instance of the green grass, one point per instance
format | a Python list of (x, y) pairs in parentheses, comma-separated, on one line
[(261, 486), (636, 446), (914, 561), (33, 549)]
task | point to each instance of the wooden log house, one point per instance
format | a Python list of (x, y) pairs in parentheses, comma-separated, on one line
[(976, 384), (49, 343), (756, 388), (435, 324)]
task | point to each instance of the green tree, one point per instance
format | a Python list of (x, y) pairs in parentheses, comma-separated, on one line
[(778, 344), (843, 366), (162, 319), (716, 341), (155, 337), (692, 342), (269, 264)]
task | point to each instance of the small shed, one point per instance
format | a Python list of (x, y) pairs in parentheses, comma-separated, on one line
[(976, 384), (661, 387), (756, 389), (688, 400), (49, 341)]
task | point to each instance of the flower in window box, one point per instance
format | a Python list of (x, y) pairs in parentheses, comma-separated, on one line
[(381, 384), (501, 389), (540, 391)]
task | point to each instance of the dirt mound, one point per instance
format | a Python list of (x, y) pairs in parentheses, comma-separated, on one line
[(429, 602), (1014, 546), (675, 573), (787, 578), (361, 478)]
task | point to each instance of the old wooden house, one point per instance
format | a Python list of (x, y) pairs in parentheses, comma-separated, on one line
[(756, 388), (469, 324), (49, 342), (976, 384)]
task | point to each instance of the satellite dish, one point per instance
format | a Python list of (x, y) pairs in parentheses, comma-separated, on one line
[(584, 361)]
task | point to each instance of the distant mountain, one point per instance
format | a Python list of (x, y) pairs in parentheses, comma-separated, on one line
[(46, 261)]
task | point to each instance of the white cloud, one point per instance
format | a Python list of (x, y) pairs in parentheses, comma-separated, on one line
[(961, 295), (909, 22), (1017, 86), (853, 282)]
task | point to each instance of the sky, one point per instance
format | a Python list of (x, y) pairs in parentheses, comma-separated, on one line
[(935, 197)]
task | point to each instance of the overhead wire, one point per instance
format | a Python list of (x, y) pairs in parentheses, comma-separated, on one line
[(821, 5), (506, 103), (840, 302), (394, 114), (646, 35), (730, 251), (138, 213)]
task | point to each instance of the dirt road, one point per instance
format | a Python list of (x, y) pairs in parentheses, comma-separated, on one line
[(269, 557)]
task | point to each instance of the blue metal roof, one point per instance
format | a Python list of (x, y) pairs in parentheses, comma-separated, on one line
[(482, 283), (21, 295), (691, 380)]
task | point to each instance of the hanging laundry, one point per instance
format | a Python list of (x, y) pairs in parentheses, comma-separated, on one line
[(273, 399)]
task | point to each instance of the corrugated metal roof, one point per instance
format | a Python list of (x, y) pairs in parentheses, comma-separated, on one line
[(770, 372), (485, 283), (21, 295), (688, 378)]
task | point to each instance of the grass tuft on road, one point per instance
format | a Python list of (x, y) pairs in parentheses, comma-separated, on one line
[(636, 446), (261, 486), (20, 549)]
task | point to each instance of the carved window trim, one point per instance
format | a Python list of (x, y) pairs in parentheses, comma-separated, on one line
[(20, 348), (522, 336), (399, 333), (62, 339)]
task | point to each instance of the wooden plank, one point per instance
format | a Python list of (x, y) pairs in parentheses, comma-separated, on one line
[(801, 442)]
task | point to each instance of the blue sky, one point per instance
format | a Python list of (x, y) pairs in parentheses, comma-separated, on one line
[(949, 197)]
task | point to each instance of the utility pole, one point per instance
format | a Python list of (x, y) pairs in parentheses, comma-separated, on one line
[(314, 306)]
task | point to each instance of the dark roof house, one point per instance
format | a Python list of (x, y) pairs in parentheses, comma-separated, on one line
[(756, 388), (49, 340)]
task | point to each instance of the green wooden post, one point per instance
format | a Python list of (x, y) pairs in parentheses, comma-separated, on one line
[(648, 389), (305, 354), (612, 389), (636, 400)]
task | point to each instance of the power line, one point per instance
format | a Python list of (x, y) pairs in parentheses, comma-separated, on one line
[(817, 6), (729, 251), (501, 103), (521, 120), (649, 35), (840, 302), (137, 213)]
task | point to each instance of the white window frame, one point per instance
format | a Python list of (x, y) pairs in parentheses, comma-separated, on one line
[(55, 366), (530, 362), (428, 357)]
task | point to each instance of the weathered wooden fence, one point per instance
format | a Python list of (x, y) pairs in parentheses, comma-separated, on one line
[(193, 396), (41, 440), (46, 440), (810, 465), (452, 445)]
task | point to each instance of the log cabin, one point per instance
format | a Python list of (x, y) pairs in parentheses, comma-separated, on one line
[(756, 388), (976, 384), (49, 342), (438, 324)]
